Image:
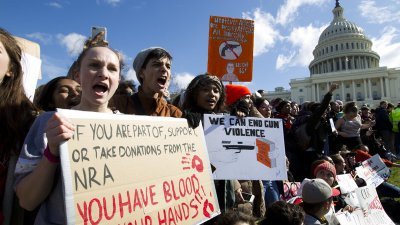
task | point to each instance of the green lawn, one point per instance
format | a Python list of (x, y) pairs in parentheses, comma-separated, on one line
[(395, 176)]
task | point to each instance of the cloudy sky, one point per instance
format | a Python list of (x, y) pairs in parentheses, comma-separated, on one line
[(286, 31)]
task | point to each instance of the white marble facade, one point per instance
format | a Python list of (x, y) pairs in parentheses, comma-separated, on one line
[(344, 56)]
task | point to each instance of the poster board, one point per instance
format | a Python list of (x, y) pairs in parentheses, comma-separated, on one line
[(373, 171), (31, 65), (230, 48), (370, 211), (245, 148), (346, 183), (124, 169)]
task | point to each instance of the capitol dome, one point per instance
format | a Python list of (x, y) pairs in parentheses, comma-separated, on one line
[(342, 46)]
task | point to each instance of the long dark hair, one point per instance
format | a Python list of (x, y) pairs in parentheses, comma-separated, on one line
[(16, 111), (190, 101), (45, 99)]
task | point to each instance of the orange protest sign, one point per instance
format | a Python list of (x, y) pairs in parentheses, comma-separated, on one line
[(230, 48)]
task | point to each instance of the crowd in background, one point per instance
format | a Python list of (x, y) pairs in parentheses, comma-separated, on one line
[(31, 133)]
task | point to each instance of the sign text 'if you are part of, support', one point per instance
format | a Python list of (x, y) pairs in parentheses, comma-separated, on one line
[(123, 169)]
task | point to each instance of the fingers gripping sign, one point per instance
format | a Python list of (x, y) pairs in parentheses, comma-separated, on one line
[(196, 163), (58, 129)]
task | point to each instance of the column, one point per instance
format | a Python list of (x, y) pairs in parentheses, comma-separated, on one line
[(317, 87), (312, 92), (340, 63), (369, 89), (354, 90), (365, 62), (365, 89), (327, 86), (352, 62), (387, 87), (382, 91), (345, 63), (342, 86)]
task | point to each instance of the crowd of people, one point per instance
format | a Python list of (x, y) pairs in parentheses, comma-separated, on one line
[(30, 135)]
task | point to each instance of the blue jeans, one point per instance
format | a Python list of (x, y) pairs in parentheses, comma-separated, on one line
[(388, 190), (271, 192)]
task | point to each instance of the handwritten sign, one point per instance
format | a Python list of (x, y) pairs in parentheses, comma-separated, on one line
[(230, 48), (245, 148), (122, 169), (369, 212), (346, 183), (373, 171)]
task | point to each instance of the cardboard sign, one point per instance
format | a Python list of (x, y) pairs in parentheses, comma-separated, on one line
[(245, 148), (123, 169), (346, 183), (230, 48), (31, 65), (369, 210), (373, 171)]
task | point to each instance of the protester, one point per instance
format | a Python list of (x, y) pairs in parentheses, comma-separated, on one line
[(263, 107), (235, 218), (153, 71), (340, 163), (394, 118), (317, 201), (60, 92), (126, 87), (349, 126), (38, 174), (283, 213), (310, 133), (238, 102), (383, 125), (205, 94), (17, 113)]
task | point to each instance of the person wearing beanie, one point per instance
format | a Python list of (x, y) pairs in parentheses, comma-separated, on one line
[(238, 103), (205, 94), (317, 201), (325, 171), (153, 71)]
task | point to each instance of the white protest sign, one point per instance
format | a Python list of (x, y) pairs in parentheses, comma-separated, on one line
[(31, 67), (333, 128), (346, 183), (373, 171), (374, 213), (369, 210), (354, 218), (124, 169), (245, 148)]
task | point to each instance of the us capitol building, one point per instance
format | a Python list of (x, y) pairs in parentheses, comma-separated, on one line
[(343, 55)]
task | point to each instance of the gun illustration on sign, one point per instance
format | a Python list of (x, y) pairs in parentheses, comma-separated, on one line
[(226, 47), (238, 146)]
